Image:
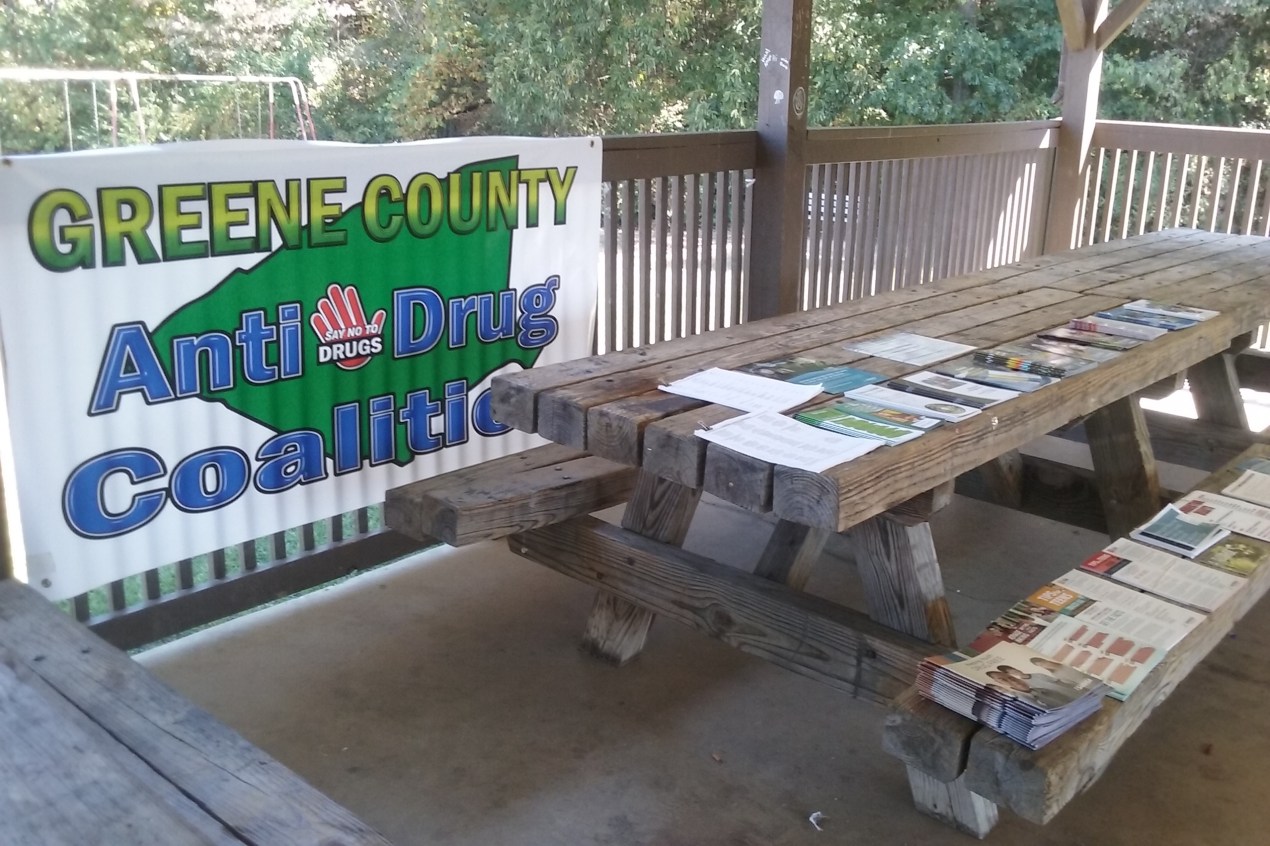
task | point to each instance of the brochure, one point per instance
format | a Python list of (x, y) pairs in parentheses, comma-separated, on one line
[(1071, 349), (1165, 575), (1253, 486), (939, 386), (912, 403), (1107, 326), (997, 377), (1241, 517), (1172, 310), (1099, 340), (832, 379), (1146, 318), (1030, 360), (908, 348), (1005, 688), (1115, 644), (882, 414), (1173, 531), (833, 419), (1236, 554), (1180, 620)]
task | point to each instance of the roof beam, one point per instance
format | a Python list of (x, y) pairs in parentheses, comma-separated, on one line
[(1117, 22)]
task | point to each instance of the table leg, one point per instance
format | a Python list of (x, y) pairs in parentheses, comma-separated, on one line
[(658, 509), (1124, 465), (904, 589), (1215, 389), (791, 553)]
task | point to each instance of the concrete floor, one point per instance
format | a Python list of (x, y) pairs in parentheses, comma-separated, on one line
[(444, 700)]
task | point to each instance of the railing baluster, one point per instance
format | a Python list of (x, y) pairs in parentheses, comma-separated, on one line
[(664, 331), (695, 322), (679, 223), (626, 204), (607, 304), (736, 190), (643, 278), (1250, 208)]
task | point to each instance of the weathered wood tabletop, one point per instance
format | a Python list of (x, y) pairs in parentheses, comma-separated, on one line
[(609, 405)]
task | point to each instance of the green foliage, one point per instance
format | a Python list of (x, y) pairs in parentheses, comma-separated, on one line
[(383, 70)]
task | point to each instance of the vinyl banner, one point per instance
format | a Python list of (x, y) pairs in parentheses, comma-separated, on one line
[(207, 343)]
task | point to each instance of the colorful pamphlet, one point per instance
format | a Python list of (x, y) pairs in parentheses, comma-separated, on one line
[(882, 414), (1165, 575), (1117, 643), (1172, 310), (1006, 689), (1173, 531), (939, 386), (834, 419), (1123, 328), (1236, 554), (1099, 340), (1146, 318), (1071, 350), (912, 403), (832, 379), (997, 377), (1030, 360)]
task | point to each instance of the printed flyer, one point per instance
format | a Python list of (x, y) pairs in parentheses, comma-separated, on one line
[(206, 343)]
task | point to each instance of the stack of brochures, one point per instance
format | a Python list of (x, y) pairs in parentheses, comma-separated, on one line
[(1032, 360), (832, 379), (1013, 689), (1114, 618)]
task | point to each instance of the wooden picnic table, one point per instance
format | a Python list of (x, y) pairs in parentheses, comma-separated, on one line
[(610, 407)]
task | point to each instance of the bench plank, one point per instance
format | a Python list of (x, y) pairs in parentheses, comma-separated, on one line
[(250, 792), (68, 782), (510, 494)]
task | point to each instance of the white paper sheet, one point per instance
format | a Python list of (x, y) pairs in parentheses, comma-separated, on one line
[(909, 348), (1240, 517), (782, 440), (1252, 486), (742, 390)]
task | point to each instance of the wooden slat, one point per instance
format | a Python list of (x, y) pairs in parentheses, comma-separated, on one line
[(232, 780), (67, 781), (506, 495), (798, 631), (902, 584), (875, 143), (1036, 785), (677, 154), (661, 512)]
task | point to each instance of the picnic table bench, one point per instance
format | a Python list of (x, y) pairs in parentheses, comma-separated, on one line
[(94, 749), (609, 407)]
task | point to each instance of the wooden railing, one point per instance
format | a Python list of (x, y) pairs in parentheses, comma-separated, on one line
[(896, 206), (887, 207), (1157, 176), (1145, 177)]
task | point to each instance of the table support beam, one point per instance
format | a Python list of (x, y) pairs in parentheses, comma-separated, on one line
[(791, 553), (801, 632), (1215, 389), (1124, 465), (616, 629)]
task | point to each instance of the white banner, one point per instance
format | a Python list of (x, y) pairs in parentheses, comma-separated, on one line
[(207, 343)]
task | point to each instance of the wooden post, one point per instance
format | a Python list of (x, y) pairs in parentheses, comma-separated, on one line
[(791, 553), (1082, 74), (903, 587), (1215, 389), (661, 510), (1124, 465), (780, 193)]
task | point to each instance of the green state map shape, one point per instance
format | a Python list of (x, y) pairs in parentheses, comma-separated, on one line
[(454, 265)]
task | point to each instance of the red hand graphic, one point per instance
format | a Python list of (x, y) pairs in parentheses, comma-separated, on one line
[(340, 318)]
